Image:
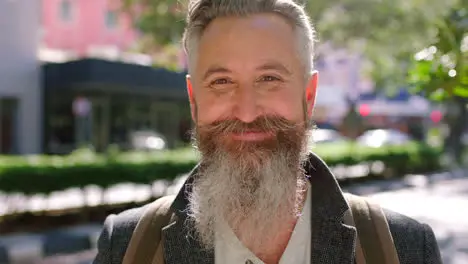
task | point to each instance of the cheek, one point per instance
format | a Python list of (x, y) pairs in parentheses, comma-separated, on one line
[(211, 109), (286, 104)]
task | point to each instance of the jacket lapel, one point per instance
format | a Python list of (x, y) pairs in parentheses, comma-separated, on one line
[(180, 247), (332, 243), (332, 240)]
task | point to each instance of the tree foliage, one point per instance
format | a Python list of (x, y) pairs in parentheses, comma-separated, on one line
[(162, 20), (387, 33), (441, 69)]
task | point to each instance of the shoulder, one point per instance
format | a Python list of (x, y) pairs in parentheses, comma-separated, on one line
[(123, 224), (117, 232), (415, 241)]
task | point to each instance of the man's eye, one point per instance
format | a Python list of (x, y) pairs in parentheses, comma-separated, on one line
[(269, 78), (221, 85), (220, 82)]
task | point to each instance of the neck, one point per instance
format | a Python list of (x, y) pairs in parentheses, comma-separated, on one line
[(273, 246)]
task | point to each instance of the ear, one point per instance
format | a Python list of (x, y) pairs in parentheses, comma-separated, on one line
[(191, 97), (311, 92)]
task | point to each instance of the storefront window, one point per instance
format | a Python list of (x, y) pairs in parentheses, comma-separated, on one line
[(60, 126), (8, 122), (127, 116)]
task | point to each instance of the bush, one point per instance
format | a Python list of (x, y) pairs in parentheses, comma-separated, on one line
[(409, 158), (45, 174)]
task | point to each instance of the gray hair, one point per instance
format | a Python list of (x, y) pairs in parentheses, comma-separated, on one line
[(202, 12)]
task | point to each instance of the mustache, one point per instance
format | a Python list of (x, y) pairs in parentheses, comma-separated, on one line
[(260, 124)]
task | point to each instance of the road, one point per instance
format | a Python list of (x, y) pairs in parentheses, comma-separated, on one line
[(441, 202)]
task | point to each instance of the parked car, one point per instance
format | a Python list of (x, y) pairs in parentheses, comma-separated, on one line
[(147, 140), (383, 137), (322, 135)]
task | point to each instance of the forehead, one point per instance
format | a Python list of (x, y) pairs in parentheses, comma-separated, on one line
[(245, 42)]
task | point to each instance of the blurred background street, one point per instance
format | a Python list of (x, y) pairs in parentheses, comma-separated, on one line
[(440, 200), (94, 114)]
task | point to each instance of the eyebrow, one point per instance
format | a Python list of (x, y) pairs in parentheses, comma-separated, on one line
[(270, 65), (274, 65), (215, 69)]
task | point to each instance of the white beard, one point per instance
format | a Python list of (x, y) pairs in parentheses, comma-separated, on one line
[(252, 198)]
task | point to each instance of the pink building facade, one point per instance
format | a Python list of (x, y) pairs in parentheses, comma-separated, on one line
[(79, 26)]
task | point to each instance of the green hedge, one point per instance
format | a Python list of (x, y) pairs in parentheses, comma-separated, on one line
[(45, 174), (409, 158)]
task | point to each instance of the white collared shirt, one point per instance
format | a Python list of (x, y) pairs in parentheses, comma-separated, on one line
[(231, 251)]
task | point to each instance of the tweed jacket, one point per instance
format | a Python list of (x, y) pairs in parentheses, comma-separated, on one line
[(332, 241)]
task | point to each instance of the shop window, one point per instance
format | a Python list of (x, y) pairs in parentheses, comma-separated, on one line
[(111, 19), (65, 10), (8, 126)]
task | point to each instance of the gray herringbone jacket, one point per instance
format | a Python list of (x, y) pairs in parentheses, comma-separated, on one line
[(332, 241)]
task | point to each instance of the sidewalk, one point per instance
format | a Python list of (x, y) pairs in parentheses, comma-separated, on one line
[(85, 257), (440, 201), (30, 248)]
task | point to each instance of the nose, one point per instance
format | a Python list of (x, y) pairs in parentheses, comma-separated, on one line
[(246, 106)]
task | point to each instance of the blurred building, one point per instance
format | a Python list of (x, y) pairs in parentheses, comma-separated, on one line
[(344, 90), (86, 52), (120, 97), (20, 91), (83, 28), (341, 78), (402, 111)]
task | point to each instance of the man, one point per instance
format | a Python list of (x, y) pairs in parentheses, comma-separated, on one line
[(257, 197)]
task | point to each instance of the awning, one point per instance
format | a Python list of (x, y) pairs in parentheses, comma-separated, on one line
[(113, 77)]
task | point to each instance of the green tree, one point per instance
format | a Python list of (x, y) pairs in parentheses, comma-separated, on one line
[(387, 33), (441, 70), (163, 21)]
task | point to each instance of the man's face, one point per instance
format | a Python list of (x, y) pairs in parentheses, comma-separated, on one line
[(250, 100), (248, 69)]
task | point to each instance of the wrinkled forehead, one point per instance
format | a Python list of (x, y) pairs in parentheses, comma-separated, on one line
[(245, 42)]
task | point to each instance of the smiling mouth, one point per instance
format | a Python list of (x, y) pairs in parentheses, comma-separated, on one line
[(251, 135)]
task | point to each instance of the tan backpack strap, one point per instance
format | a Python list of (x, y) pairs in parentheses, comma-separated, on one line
[(373, 231), (349, 220), (158, 257), (147, 236)]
